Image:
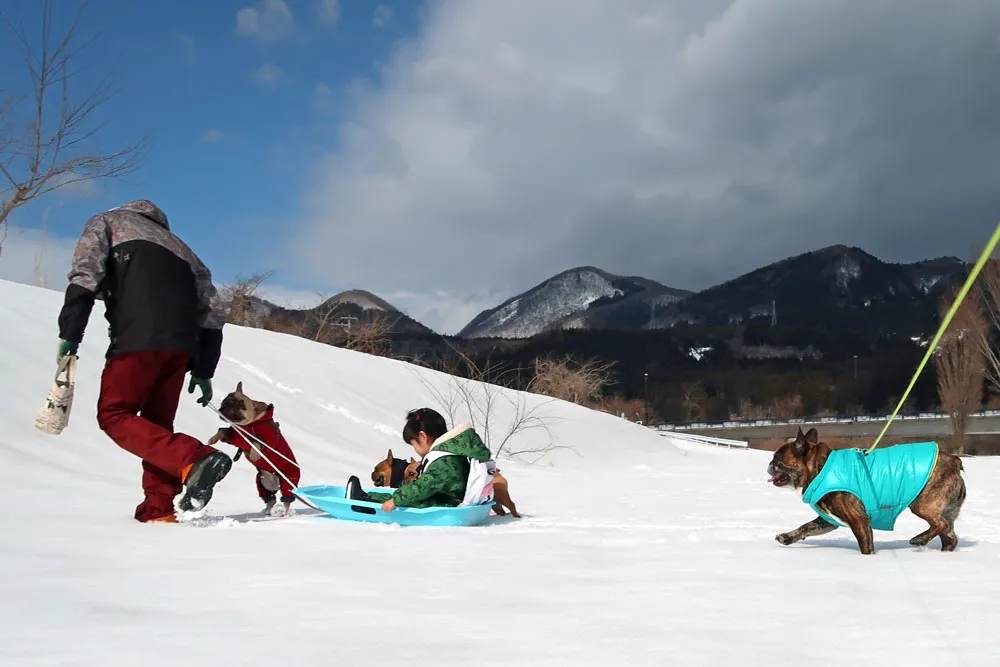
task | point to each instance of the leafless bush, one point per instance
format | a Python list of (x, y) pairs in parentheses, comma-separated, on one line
[(786, 407), (747, 409), (582, 383), (632, 409), (324, 321), (239, 295), (480, 396), (693, 400), (961, 365), (49, 137), (374, 335), (989, 293)]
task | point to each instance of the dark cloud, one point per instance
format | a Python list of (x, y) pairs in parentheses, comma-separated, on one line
[(688, 143)]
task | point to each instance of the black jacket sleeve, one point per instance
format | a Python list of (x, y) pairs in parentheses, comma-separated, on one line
[(209, 352)]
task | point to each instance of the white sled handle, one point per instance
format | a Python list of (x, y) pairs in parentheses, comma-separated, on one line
[(66, 365)]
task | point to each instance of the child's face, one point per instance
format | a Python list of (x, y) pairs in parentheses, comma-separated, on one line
[(421, 444)]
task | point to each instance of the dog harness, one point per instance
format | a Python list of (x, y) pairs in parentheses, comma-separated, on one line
[(886, 481)]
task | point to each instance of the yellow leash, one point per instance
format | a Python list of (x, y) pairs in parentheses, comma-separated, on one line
[(987, 251)]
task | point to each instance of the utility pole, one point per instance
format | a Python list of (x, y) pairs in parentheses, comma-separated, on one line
[(774, 312), (855, 367), (645, 392)]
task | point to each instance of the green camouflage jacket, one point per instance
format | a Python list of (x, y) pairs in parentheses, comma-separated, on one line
[(442, 483)]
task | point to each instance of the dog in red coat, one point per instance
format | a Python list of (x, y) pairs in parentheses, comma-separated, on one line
[(257, 419)]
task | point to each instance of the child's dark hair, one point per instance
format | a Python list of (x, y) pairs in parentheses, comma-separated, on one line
[(427, 420)]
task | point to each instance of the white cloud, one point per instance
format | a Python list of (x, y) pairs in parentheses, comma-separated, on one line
[(31, 256), (382, 16), (69, 188), (288, 298), (444, 312), (329, 12), (688, 141), (267, 22), (212, 136), (268, 75)]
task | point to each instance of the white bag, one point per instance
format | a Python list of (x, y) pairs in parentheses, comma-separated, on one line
[(479, 484), (53, 416)]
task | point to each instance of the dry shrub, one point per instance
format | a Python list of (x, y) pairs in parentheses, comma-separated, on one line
[(961, 364), (787, 407), (693, 400), (239, 296), (373, 336), (633, 409), (989, 300), (582, 383)]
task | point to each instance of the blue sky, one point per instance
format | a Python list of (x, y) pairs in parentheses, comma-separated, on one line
[(449, 154), (237, 113)]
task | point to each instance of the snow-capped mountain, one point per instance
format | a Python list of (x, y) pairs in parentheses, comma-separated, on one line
[(837, 286), (359, 305), (583, 297)]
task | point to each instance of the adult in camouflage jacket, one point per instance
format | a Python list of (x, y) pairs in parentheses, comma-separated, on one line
[(164, 319), (442, 482)]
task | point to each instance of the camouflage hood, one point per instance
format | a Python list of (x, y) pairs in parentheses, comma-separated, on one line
[(147, 209), (464, 441)]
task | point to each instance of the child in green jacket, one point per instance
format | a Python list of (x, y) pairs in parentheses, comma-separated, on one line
[(447, 457)]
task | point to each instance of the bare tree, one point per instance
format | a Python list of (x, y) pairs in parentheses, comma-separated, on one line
[(480, 395), (48, 137), (989, 293), (582, 383), (373, 336), (239, 297), (961, 366), (786, 407), (694, 400), (323, 318)]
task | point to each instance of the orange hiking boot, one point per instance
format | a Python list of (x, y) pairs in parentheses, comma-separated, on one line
[(170, 518)]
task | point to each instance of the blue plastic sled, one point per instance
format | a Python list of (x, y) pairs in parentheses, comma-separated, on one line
[(331, 500)]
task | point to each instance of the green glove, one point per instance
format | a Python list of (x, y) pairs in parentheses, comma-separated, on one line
[(204, 385), (66, 348)]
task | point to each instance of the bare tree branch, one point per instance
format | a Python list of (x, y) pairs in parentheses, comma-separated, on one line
[(989, 293), (239, 295), (48, 139), (567, 379), (960, 366), (498, 413)]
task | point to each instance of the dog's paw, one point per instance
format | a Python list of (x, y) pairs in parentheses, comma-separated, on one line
[(784, 538)]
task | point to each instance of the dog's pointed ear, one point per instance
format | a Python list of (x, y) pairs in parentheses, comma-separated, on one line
[(800, 434), (812, 436), (239, 387), (412, 460), (389, 456)]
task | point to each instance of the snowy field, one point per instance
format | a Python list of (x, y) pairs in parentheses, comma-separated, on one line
[(633, 550)]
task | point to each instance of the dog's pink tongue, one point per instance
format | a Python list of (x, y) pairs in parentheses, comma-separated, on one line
[(773, 480)]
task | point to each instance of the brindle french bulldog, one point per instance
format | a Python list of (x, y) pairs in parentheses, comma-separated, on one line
[(796, 464), (392, 472)]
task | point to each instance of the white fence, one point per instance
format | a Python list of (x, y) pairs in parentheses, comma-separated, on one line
[(705, 440), (841, 419)]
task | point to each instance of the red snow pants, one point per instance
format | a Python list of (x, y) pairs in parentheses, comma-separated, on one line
[(140, 392)]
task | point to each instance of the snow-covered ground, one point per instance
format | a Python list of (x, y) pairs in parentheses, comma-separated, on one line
[(633, 550)]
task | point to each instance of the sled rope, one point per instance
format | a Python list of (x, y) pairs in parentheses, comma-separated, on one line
[(987, 251), (251, 440)]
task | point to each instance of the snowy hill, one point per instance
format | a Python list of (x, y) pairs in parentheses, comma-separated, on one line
[(575, 299), (633, 548)]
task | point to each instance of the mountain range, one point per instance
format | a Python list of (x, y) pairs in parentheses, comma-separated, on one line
[(838, 287)]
